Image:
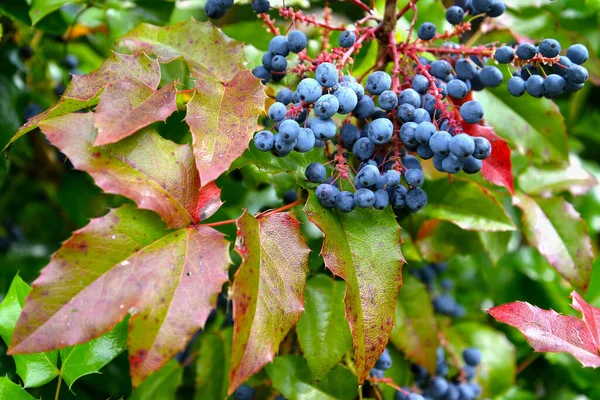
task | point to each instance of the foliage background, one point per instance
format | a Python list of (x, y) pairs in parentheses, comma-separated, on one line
[(42, 199)]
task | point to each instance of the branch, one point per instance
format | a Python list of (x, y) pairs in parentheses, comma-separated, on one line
[(387, 26)]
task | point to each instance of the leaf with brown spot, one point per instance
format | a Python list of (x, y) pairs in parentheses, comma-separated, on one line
[(363, 248), (126, 262), (268, 291), (127, 107), (156, 173)]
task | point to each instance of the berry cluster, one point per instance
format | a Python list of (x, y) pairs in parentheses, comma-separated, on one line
[(443, 303), (274, 62)]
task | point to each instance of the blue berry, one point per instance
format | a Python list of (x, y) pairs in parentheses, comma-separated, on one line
[(416, 198), (457, 89), (415, 396), (472, 356), (447, 284), (289, 130), (462, 145), (549, 48), (574, 87), (327, 75), (406, 112), (490, 76), (326, 106), (411, 162), (277, 112), (577, 74), (578, 54), (368, 176), (438, 386), (504, 55), (309, 90), (554, 85), (347, 99), (261, 6), (296, 41), (381, 130), (527, 71), (377, 373), (278, 45), (482, 6), (452, 164), (262, 73), (471, 165), (356, 87), (283, 147), (465, 69), (410, 96), (420, 83), (364, 108), (471, 111), (384, 361), (382, 199), (440, 69), (526, 51), (264, 140), (305, 141), (424, 132), (444, 304), (214, 9), (378, 82), (326, 192), (388, 100), (392, 178), (455, 15), (349, 134), (278, 63), (535, 86), (398, 196), (323, 128), (347, 39), (363, 148), (345, 202), (244, 392), (421, 115), (407, 134), (516, 86), (284, 96), (483, 148), (364, 198), (440, 143), (70, 61), (414, 177), (315, 172), (427, 31), (498, 8), (561, 67)]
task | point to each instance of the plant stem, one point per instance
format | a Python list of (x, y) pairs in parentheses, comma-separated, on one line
[(388, 25), (58, 387)]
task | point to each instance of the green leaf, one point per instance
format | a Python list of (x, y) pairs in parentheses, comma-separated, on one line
[(534, 126), (168, 281), (495, 244), (555, 228), (415, 326), (90, 357), (291, 376), (466, 204), (40, 8), (12, 391), (212, 365), (268, 290), (162, 384), (34, 369), (363, 248), (497, 370), (439, 240), (340, 383), (536, 180), (323, 331)]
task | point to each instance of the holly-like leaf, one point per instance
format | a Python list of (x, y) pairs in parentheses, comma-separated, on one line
[(542, 179), (83, 91), (268, 290), (166, 183), (534, 126), (212, 365), (323, 332), (497, 168), (33, 369), (549, 331), (12, 391), (415, 326), (466, 204), (128, 106), (162, 384), (555, 228), (167, 280), (363, 248)]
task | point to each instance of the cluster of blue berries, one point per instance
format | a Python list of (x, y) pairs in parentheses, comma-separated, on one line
[(443, 303), (274, 61), (216, 9)]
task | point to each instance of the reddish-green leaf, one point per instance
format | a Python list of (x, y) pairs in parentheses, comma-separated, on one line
[(363, 248), (128, 106), (126, 262), (156, 173), (555, 228), (415, 326), (222, 117), (536, 180), (268, 291), (209, 201), (591, 316), (83, 91)]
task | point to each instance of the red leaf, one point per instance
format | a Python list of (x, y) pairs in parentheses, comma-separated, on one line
[(591, 316), (548, 331), (268, 291), (209, 201), (497, 168)]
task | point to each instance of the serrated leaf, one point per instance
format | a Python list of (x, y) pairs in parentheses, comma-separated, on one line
[(549, 331), (12, 391), (167, 280), (363, 248), (323, 332), (291, 376), (590, 316), (222, 117), (555, 228), (83, 91), (268, 290), (127, 106), (415, 326), (166, 183), (212, 365), (536, 180), (33, 369), (466, 204), (88, 358), (162, 384), (534, 126)]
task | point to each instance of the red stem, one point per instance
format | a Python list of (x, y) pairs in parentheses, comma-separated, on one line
[(270, 23)]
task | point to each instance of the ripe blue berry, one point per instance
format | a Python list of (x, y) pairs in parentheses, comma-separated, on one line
[(526, 51), (261, 6), (406, 112), (244, 392), (326, 192), (407, 134), (414, 177), (214, 9), (277, 112), (483, 148), (438, 386), (462, 145), (452, 164), (471, 165), (455, 15), (465, 69), (471, 111), (381, 130), (309, 90), (347, 99), (382, 199), (440, 69), (427, 31), (278, 45), (554, 85), (504, 55), (323, 128), (347, 39), (327, 74), (326, 106), (421, 115), (482, 6), (378, 82), (345, 202), (578, 54), (388, 100), (472, 356), (384, 361), (420, 83), (289, 130), (364, 108), (363, 148), (498, 8), (577, 74), (561, 67), (457, 89), (490, 76), (424, 132), (364, 198), (440, 143), (283, 147), (264, 140), (284, 96), (516, 86), (262, 73), (392, 178), (410, 96), (368, 176), (349, 134), (305, 141), (296, 41), (398, 196), (315, 172), (424, 151), (535, 86), (549, 48), (416, 198)]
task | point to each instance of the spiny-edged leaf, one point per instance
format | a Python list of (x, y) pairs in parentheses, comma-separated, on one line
[(555, 228), (222, 118), (363, 248), (83, 91), (497, 168), (12, 391), (162, 384), (291, 376), (541, 179), (126, 262), (33, 369), (268, 291), (212, 365), (498, 368), (534, 126), (323, 332), (128, 106), (204, 47), (591, 316), (156, 173), (547, 330), (88, 358), (415, 326), (466, 204)]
